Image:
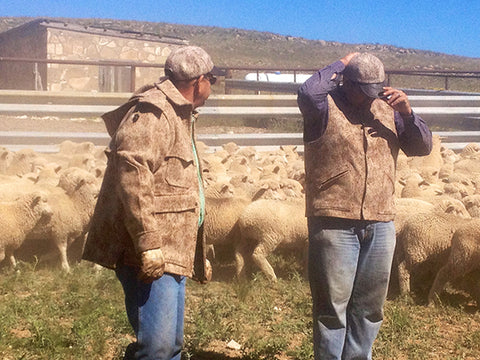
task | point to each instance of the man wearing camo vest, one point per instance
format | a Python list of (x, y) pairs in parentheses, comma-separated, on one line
[(354, 126)]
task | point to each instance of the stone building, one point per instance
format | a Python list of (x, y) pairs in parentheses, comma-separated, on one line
[(100, 48)]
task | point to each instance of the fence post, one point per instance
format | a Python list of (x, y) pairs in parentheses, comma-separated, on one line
[(446, 82), (38, 78), (133, 70), (228, 75)]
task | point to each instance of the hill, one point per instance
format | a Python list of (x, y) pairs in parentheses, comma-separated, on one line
[(231, 47)]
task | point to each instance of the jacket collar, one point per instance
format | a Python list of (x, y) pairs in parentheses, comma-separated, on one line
[(113, 118), (172, 93)]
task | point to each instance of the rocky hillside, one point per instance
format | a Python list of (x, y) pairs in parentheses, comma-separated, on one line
[(232, 47)]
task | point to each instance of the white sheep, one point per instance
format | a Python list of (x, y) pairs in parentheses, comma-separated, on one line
[(424, 241), (18, 219), (68, 147), (407, 207), (23, 161), (464, 258), (6, 157), (433, 160), (263, 226), (72, 205), (472, 204), (221, 218)]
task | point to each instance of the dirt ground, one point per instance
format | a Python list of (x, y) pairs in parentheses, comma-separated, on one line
[(50, 124), (55, 124)]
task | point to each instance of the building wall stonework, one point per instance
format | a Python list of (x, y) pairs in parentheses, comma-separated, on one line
[(23, 43), (71, 45), (45, 40)]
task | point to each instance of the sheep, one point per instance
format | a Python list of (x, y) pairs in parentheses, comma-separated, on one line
[(416, 187), (22, 162), (263, 226), (472, 204), (6, 157), (18, 219), (221, 218), (72, 204), (468, 165), (68, 147), (424, 242), (223, 208), (48, 176), (464, 257), (433, 160), (446, 170), (472, 149), (11, 187), (406, 207), (84, 161), (452, 206)]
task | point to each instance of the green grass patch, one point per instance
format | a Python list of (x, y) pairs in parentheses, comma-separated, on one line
[(48, 314)]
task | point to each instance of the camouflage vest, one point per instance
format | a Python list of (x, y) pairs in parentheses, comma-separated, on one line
[(350, 169)]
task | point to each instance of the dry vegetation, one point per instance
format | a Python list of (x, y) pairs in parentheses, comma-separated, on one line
[(46, 314), (231, 47)]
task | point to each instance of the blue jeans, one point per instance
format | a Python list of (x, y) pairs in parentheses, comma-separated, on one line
[(156, 313), (349, 270)]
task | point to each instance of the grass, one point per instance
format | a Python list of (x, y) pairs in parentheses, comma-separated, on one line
[(47, 314)]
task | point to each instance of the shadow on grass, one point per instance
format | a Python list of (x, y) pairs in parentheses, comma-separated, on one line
[(210, 355)]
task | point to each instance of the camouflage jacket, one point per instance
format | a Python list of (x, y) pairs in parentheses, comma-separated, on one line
[(150, 192)]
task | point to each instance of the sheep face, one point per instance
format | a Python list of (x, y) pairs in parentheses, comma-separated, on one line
[(41, 208)]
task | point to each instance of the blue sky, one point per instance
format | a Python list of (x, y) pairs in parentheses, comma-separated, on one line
[(447, 26)]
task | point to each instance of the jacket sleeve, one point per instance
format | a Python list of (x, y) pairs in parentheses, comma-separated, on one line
[(413, 134), (312, 100), (141, 143)]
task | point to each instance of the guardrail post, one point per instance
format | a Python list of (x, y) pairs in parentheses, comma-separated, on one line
[(446, 82)]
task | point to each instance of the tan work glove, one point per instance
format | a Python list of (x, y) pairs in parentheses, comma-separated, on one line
[(152, 265)]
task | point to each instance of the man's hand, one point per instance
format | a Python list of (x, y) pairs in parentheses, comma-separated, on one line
[(152, 265), (398, 100), (346, 59)]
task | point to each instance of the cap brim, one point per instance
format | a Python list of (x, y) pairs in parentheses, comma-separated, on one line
[(218, 72), (372, 90)]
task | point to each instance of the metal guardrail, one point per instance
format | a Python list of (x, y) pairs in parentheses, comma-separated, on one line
[(450, 109), (218, 105)]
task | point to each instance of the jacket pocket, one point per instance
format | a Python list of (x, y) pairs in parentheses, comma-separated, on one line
[(175, 203), (180, 172), (330, 179)]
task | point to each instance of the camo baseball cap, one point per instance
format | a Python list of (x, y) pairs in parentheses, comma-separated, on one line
[(368, 72), (188, 62)]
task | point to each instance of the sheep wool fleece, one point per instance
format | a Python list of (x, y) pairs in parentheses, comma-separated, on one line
[(150, 192)]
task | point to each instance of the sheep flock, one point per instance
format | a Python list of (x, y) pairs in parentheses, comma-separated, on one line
[(254, 207)]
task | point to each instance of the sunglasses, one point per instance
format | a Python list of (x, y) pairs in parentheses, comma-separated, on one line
[(212, 79)]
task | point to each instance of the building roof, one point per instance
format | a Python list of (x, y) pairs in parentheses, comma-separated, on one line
[(98, 30)]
